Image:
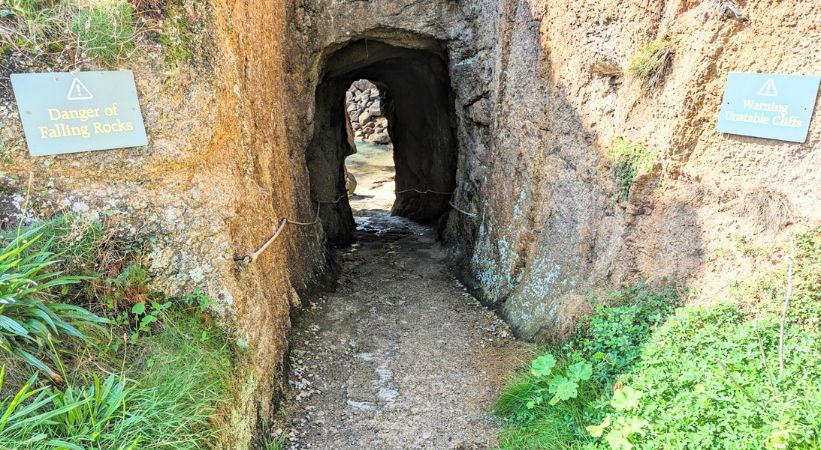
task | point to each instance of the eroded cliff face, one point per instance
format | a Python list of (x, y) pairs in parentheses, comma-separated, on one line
[(531, 115), (540, 94), (221, 169)]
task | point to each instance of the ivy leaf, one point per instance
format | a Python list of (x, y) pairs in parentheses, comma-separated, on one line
[(626, 398), (597, 430), (543, 365), (581, 371), (138, 308)]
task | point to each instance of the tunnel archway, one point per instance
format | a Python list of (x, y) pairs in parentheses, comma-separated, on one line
[(416, 97)]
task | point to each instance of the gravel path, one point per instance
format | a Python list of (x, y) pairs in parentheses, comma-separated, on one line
[(400, 356)]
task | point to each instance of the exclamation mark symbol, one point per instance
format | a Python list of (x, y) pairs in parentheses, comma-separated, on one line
[(78, 91)]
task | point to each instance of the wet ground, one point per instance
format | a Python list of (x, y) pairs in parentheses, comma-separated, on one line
[(372, 165), (400, 356)]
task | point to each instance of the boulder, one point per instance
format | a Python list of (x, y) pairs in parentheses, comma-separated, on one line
[(362, 85), (380, 138), (365, 116)]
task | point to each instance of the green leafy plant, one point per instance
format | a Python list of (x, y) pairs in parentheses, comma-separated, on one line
[(651, 62), (276, 443), (146, 316), (28, 413), (612, 337), (198, 299), (560, 386), (605, 345), (709, 377), (180, 383), (24, 409), (129, 288), (97, 407), (29, 321), (630, 159), (172, 382), (624, 427)]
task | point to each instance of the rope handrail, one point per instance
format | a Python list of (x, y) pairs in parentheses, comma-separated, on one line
[(426, 191), (469, 214), (251, 257)]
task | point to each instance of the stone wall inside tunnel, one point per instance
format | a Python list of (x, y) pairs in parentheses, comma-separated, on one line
[(417, 102)]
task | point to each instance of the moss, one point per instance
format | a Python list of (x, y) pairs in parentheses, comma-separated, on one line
[(630, 159), (176, 39)]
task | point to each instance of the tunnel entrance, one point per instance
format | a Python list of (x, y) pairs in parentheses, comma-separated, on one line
[(417, 104), (369, 173)]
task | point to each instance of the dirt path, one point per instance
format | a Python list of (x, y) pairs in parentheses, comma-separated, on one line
[(400, 356)]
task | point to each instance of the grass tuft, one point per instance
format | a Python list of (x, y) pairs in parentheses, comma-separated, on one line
[(651, 62), (105, 30)]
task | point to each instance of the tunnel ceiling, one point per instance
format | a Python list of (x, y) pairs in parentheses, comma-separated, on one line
[(416, 96)]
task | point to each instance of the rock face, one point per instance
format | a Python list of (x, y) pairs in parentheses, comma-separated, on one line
[(365, 113), (540, 93), (505, 102)]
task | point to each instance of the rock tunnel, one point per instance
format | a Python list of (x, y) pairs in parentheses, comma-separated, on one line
[(417, 100), (517, 105)]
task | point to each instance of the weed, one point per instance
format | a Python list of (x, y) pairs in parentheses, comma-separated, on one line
[(198, 299), (696, 377), (182, 381), (97, 407), (605, 345), (73, 240), (179, 381), (105, 30), (651, 62), (24, 412), (708, 379), (805, 304), (37, 24), (268, 440), (630, 159), (131, 286), (172, 381), (612, 337), (146, 316), (29, 322), (275, 443)]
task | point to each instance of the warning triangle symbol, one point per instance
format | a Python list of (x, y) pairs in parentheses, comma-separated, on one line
[(768, 90), (79, 91)]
